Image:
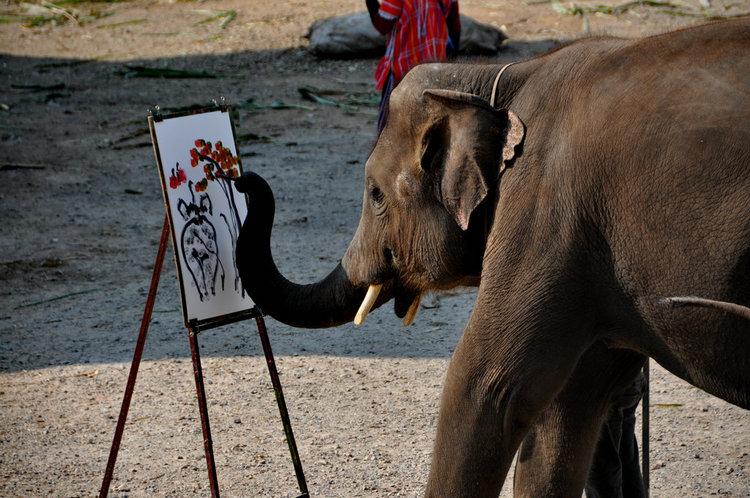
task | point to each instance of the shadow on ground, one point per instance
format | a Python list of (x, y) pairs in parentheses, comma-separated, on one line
[(83, 211)]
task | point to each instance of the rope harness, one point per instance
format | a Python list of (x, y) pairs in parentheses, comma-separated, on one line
[(497, 80)]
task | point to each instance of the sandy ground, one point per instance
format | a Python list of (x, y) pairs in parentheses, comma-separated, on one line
[(80, 233)]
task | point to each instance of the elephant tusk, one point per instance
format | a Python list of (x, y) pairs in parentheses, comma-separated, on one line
[(367, 303), (412, 311)]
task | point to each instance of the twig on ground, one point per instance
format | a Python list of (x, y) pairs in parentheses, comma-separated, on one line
[(664, 7), (251, 106), (71, 63), (122, 23), (226, 16), (131, 71), (349, 103), (16, 166), (57, 298), (136, 145), (129, 136), (39, 88), (253, 137), (35, 15)]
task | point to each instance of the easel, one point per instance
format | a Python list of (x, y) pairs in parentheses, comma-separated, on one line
[(194, 329)]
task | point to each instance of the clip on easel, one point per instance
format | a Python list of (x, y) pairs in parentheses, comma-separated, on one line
[(196, 326)]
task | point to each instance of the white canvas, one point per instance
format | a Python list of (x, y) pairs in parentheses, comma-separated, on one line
[(206, 212)]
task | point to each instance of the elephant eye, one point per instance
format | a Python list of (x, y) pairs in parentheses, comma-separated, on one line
[(376, 195)]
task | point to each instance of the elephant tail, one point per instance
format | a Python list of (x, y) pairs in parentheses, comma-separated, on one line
[(682, 301)]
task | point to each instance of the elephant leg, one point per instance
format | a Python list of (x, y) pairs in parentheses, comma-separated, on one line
[(512, 360), (222, 275), (584, 423), (196, 271)]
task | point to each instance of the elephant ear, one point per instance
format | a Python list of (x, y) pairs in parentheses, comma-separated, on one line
[(205, 204), (468, 143), (182, 208)]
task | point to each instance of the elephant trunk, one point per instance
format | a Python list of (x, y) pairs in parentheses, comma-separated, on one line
[(330, 302)]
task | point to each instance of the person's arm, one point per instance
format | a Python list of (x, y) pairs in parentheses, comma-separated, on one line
[(383, 25), (453, 19)]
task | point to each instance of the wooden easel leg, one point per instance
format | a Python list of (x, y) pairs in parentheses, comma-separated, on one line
[(646, 420), (203, 408), (271, 363), (135, 364)]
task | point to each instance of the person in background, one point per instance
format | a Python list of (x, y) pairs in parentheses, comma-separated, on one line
[(416, 31), (616, 472)]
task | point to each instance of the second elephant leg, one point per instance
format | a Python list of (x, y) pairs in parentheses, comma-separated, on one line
[(556, 456), (498, 382)]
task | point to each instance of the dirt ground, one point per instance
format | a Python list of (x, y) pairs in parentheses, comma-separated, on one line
[(81, 213)]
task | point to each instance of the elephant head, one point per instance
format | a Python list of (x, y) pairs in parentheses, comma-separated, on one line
[(430, 190)]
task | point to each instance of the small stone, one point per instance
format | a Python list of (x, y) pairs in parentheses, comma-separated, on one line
[(237, 420)]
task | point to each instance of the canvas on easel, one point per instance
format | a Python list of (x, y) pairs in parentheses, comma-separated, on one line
[(197, 158)]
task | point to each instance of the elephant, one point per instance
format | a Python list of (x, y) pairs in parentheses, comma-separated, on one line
[(599, 197), (198, 244)]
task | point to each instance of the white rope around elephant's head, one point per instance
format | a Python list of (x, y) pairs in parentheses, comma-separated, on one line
[(497, 80)]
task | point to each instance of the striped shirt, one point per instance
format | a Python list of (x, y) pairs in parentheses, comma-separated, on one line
[(419, 35)]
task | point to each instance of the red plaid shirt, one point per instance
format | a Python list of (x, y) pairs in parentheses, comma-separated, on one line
[(419, 35)]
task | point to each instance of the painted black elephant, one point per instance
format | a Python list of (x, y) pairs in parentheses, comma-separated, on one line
[(198, 244), (608, 183)]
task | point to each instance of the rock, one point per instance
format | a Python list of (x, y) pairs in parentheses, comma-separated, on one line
[(352, 36), (480, 38)]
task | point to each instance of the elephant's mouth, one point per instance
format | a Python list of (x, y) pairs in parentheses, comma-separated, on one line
[(405, 301)]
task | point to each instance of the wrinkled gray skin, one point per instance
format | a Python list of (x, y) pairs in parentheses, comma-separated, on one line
[(631, 185)]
